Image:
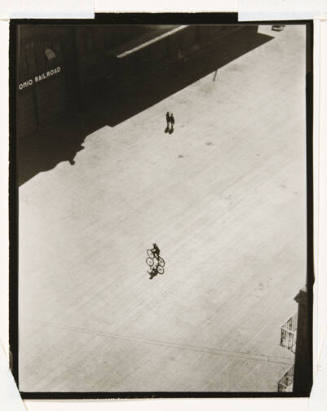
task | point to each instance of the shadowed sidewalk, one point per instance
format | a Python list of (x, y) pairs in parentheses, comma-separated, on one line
[(125, 96)]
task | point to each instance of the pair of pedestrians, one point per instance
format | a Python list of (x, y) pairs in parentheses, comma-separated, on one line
[(170, 119)]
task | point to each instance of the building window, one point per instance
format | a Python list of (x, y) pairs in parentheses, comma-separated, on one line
[(50, 54)]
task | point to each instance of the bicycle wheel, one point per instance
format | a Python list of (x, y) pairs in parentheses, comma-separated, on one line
[(161, 262), (155, 261), (150, 253), (149, 261), (160, 270)]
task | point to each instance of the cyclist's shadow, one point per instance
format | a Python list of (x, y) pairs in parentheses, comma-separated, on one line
[(152, 274)]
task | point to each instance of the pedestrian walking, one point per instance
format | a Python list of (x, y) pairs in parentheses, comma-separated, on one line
[(168, 122), (172, 123)]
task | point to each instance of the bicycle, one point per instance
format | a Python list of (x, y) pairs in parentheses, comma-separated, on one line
[(155, 263)]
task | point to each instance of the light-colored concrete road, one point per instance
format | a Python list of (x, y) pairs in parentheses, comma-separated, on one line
[(224, 198)]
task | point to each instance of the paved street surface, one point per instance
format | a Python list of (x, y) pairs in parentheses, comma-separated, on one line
[(223, 197)]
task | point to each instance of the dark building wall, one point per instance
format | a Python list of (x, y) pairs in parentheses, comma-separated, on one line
[(45, 86), (104, 82), (85, 56), (89, 60), (303, 354)]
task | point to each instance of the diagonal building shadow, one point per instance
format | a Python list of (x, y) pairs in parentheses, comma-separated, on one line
[(131, 93)]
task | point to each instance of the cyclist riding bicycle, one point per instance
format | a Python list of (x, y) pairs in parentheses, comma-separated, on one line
[(155, 250)]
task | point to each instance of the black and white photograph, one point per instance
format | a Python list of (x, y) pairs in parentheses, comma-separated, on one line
[(163, 194)]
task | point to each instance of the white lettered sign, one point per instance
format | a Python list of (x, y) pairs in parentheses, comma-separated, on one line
[(39, 77)]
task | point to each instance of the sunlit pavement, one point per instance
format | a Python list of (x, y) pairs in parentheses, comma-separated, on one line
[(223, 197)]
